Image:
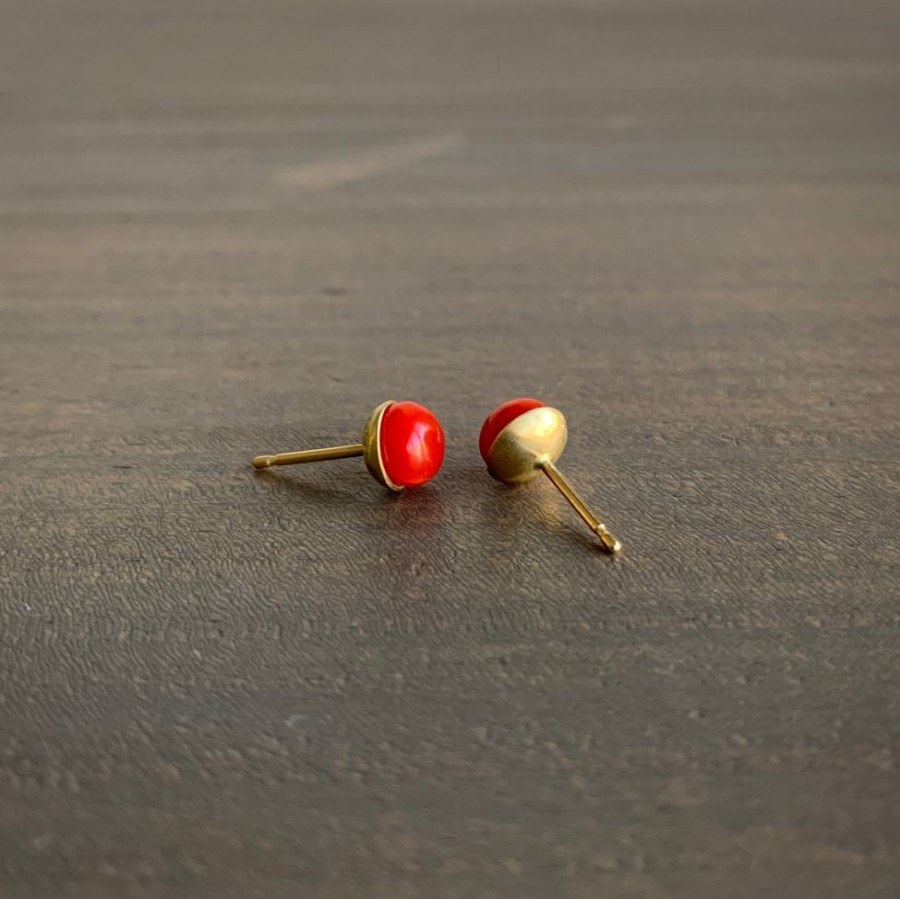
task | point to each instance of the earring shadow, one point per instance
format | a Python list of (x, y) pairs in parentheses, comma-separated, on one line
[(412, 511), (537, 505), (309, 491), (409, 512)]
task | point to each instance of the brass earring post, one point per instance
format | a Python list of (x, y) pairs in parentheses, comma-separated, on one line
[(610, 543), (316, 455)]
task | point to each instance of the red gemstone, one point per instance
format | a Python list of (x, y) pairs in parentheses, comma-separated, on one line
[(500, 418), (412, 444)]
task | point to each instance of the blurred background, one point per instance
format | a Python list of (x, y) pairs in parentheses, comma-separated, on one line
[(231, 227)]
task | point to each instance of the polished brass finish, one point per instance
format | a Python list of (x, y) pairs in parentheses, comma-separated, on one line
[(316, 455), (610, 543), (536, 436), (369, 449), (531, 444)]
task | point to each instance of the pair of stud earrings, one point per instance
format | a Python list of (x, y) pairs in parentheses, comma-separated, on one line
[(403, 446)]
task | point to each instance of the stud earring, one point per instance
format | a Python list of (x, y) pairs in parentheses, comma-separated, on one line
[(524, 437), (402, 444)]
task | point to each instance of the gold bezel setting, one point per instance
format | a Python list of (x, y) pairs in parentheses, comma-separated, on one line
[(371, 441)]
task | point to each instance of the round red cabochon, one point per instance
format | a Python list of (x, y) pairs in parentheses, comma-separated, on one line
[(411, 443), (500, 418)]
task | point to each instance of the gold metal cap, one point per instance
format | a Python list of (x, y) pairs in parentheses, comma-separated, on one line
[(533, 439)]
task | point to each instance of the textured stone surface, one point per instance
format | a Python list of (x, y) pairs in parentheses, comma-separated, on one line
[(230, 227)]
